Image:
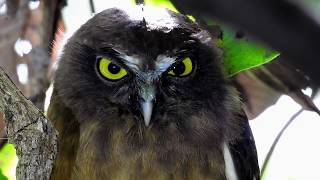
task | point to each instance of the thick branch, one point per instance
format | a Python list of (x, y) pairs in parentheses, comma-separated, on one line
[(31, 133), (282, 24)]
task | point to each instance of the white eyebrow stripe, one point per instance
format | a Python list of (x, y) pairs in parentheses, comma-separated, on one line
[(163, 63), (133, 63)]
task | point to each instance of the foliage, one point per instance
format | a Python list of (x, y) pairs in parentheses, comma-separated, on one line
[(2, 177), (239, 53), (8, 162)]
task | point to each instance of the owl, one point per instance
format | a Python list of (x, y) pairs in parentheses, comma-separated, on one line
[(139, 94)]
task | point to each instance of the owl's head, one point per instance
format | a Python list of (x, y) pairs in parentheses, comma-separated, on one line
[(150, 64)]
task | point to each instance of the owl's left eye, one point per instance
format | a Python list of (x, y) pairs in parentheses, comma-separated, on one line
[(182, 69), (109, 70)]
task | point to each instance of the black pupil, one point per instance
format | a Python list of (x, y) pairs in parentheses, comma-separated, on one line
[(179, 69), (114, 69)]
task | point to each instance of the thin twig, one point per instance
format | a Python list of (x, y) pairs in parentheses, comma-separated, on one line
[(275, 142), (2, 2), (139, 2), (92, 8)]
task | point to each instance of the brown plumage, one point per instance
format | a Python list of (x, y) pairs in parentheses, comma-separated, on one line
[(161, 110)]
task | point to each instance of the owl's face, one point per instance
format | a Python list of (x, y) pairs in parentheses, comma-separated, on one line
[(152, 65)]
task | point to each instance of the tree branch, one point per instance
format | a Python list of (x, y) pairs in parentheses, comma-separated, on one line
[(282, 24), (31, 133), (275, 142)]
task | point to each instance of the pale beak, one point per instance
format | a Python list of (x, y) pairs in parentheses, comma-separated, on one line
[(147, 93), (147, 107)]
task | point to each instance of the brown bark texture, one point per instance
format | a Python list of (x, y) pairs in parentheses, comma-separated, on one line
[(31, 133)]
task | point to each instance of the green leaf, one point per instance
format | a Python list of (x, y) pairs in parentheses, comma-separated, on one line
[(8, 161), (241, 54), (2, 177)]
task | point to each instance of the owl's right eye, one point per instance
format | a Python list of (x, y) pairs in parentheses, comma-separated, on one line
[(109, 70)]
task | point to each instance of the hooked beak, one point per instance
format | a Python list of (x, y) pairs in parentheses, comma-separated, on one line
[(147, 107), (147, 93)]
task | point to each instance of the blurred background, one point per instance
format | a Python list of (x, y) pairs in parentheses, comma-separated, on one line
[(271, 56)]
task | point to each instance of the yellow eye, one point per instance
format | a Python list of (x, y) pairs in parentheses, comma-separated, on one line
[(182, 69), (110, 70)]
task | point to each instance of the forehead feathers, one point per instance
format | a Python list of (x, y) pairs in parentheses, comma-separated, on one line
[(139, 30), (148, 17), (153, 17)]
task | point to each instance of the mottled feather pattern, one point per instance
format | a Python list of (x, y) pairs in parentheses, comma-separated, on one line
[(102, 133)]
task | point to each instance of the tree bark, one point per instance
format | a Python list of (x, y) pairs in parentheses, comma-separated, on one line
[(31, 133)]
